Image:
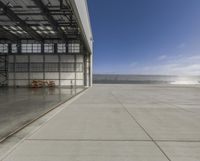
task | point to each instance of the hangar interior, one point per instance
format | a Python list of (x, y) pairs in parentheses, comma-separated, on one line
[(44, 40)]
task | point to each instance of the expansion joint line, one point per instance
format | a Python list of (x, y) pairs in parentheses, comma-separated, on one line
[(176, 106), (134, 118)]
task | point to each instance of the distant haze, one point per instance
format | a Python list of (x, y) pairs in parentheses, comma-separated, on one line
[(145, 79)]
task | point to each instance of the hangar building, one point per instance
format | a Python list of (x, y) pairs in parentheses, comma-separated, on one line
[(45, 40)]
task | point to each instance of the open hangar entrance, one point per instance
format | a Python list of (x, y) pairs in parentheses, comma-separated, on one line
[(42, 40)]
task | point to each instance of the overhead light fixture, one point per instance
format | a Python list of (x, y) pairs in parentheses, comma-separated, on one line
[(19, 27), (19, 32), (48, 28), (13, 32), (63, 28), (5, 27), (45, 32), (52, 32), (34, 27), (41, 28), (14, 28), (39, 32)]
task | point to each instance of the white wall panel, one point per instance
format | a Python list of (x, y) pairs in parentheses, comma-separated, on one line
[(79, 58), (79, 75), (51, 58), (36, 58), (79, 83), (67, 76), (36, 75), (67, 58), (21, 75), (51, 76), (66, 82), (11, 83), (21, 58), (22, 83), (10, 75), (11, 59)]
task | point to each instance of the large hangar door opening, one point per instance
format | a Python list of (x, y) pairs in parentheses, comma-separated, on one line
[(44, 40)]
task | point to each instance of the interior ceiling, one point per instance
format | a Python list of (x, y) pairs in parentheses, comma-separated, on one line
[(37, 19)]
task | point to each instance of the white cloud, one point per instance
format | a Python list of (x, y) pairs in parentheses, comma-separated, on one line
[(195, 57), (185, 65)]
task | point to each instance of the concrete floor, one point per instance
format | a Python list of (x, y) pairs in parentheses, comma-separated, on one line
[(120, 123), (21, 105)]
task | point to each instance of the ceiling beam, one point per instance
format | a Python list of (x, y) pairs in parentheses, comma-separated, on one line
[(54, 24), (11, 15)]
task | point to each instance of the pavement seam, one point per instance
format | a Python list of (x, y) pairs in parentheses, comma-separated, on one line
[(98, 140), (133, 117), (176, 106), (86, 140)]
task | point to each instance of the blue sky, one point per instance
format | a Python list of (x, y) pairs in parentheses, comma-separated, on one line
[(146, 36)]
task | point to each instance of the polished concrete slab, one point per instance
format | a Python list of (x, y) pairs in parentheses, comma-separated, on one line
[(20, 106), (120, 122)]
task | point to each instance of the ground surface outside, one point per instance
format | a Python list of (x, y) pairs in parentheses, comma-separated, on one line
[(19, 106), (120, 123)]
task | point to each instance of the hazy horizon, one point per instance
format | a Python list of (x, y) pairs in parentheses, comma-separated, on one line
[(146, 74), (145, 79)]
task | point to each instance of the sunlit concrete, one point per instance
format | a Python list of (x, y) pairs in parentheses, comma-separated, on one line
[(19, 106), (87, 151), (120, 123), (182, 151), (91, 123)]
